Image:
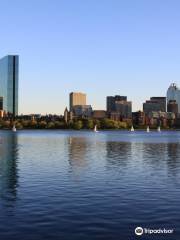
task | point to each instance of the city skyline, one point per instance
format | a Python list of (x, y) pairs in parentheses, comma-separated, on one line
[(9, 80), (127, 48)]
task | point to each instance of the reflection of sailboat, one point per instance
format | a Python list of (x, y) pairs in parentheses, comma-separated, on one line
[(159, 129), (14, 128), (147, 130), (132, 129), (95, 128)]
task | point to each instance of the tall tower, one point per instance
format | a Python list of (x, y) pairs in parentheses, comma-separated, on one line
[(9, 78), (77, 98), (173, 93)]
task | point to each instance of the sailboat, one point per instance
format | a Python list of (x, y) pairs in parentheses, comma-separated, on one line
[(159, 129), (147, 130), (132, 129), (95, 128), (14, 128)]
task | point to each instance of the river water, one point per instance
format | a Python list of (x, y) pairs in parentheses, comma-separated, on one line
[(84, 185)]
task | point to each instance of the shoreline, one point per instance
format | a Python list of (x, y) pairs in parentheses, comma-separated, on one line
[(91, 130)]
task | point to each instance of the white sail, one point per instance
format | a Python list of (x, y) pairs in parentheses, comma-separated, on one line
[(148, 130), (132, 129), (14, 128), (159, 129), (95, 128)]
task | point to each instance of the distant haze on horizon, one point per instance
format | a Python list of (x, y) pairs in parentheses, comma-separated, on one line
[(99, 47)]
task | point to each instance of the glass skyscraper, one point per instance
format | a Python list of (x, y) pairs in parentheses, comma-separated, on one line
[(173, 93), (9, 78)]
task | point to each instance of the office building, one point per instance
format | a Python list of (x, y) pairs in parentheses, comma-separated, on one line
[(139, 118), (173, 93), (9, 77), (124, 108), (77, 98), (161, 101), (99, 114), (82, 111), (155, 104), (111, 102), (1, 103), (118, 107), (161, 118), (172, 106)]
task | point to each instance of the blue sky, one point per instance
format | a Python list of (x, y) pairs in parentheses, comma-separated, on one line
[(99, 47)]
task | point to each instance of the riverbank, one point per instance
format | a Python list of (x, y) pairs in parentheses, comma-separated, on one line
[(83, 124), (91, 130)]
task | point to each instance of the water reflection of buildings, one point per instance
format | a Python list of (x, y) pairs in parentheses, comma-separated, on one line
[(154, 153), (8, 166), (118, 153), (173, 161), (166, 154), (77, 148)]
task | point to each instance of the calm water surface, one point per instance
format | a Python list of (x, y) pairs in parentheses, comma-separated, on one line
[(85, 185)]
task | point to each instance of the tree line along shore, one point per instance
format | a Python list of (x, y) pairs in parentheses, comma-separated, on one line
[(76, 125)]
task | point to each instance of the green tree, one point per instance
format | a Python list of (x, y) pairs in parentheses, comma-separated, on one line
[(19, 125), (97, 123), (25, 123), (33, 124), (90, 124), (6, 124), (111, 124), (107, 123), (50, 125), (122, 125), (42, 124), (60, 124), (78, 125), (1, 123)]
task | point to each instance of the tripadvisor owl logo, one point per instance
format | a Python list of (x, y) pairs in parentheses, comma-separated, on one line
[(139, 231)]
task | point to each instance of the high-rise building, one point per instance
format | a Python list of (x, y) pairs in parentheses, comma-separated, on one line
[(77, 98), (172, 106), (9, 77), (1, 103), (83, 111), (173, 93), (111, 102), (124, 108), (139, 118), (161, 101), (118, 107), (155, 104)]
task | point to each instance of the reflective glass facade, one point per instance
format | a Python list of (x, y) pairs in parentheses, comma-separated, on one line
[(9, 78), (173, 93)]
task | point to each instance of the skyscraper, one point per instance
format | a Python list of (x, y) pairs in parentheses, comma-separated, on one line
[(9, 77), (155, 104), (83, 111), (77, 98), (111, 102), (119, 107), (173, 93), (172, 106), (161, 101), (1, 103)]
